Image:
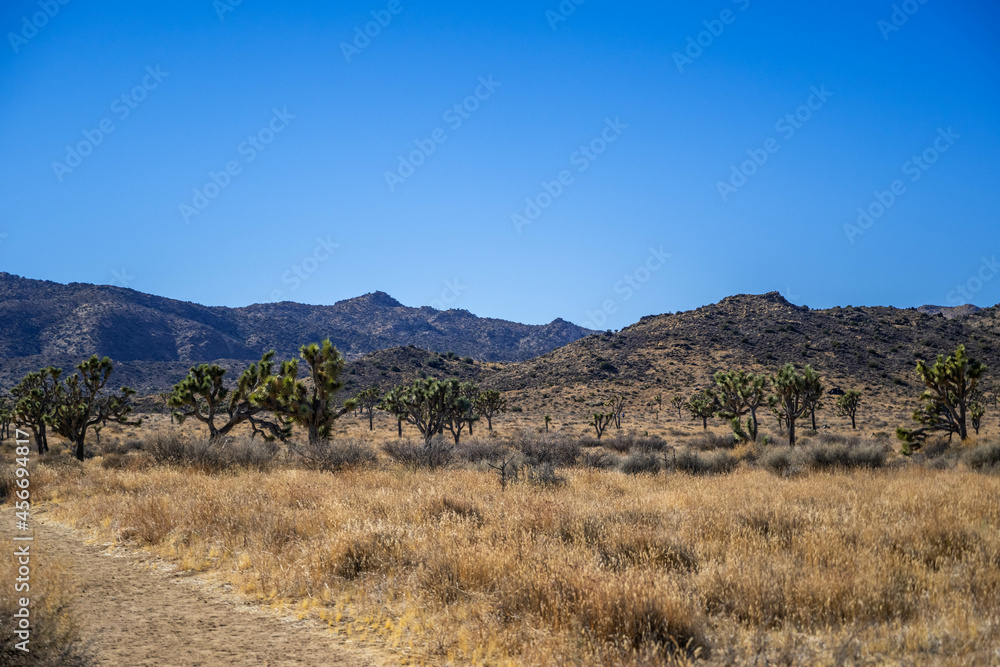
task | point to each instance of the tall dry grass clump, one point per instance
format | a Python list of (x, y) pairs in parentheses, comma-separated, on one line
[(55, 638), (606, 568)]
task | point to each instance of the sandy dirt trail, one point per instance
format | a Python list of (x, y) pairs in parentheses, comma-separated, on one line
[(136, 610)]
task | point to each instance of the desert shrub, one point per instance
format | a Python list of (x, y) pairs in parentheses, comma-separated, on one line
[(644, 549), (650, 626), (936, 447), (334, 455), (554, 449), (619, 443), (590, 441), (777, 459), (114, 446), (705, 463), (461, 508), (640, 463), (599, 460), (55, 637), (136, 460), (837, 439), (984, 457), (543, 474), (709, 441), (369, 553), (112, 461), (650, 443), (61, 459), (819, 457), (623, 443), (211, 457), (8, 483), (170, 447), (478, 450), (436, 454)]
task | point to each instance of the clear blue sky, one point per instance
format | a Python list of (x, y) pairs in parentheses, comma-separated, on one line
[(444, 234)]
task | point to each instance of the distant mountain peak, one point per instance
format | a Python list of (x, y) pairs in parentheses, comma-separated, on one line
[(380, 299), (752, 301)]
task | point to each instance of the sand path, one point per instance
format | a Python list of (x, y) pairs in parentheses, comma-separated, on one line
[(137, 610)]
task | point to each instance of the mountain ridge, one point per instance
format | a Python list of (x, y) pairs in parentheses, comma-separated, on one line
[(43, 320)]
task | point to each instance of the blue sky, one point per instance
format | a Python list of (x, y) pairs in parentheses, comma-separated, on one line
[(587, 173)]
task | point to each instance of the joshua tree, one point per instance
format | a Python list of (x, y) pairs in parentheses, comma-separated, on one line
[(309, 405), (547, 420), (848, 404), (201, 395), (703, 406), (740, 393), (490, 403), (82, 403), (976, 413), (815, 399), (393, 403), (164, 398), (430, 405), (617, 406), (459, 407), (601, 421), (794, 395), (36, 398), (6, 416), (951, 386), (992, 394), (678, 403), (470, 392), (658, 399), (367, 401)]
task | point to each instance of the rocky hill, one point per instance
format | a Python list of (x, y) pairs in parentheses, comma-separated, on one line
[(559, 366), (873, 349), (155, 339)]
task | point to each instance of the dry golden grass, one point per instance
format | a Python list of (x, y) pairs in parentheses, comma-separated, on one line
[(900, 565), (55, 638)]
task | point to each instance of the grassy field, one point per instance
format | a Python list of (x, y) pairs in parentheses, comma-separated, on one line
[(709, 552)]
